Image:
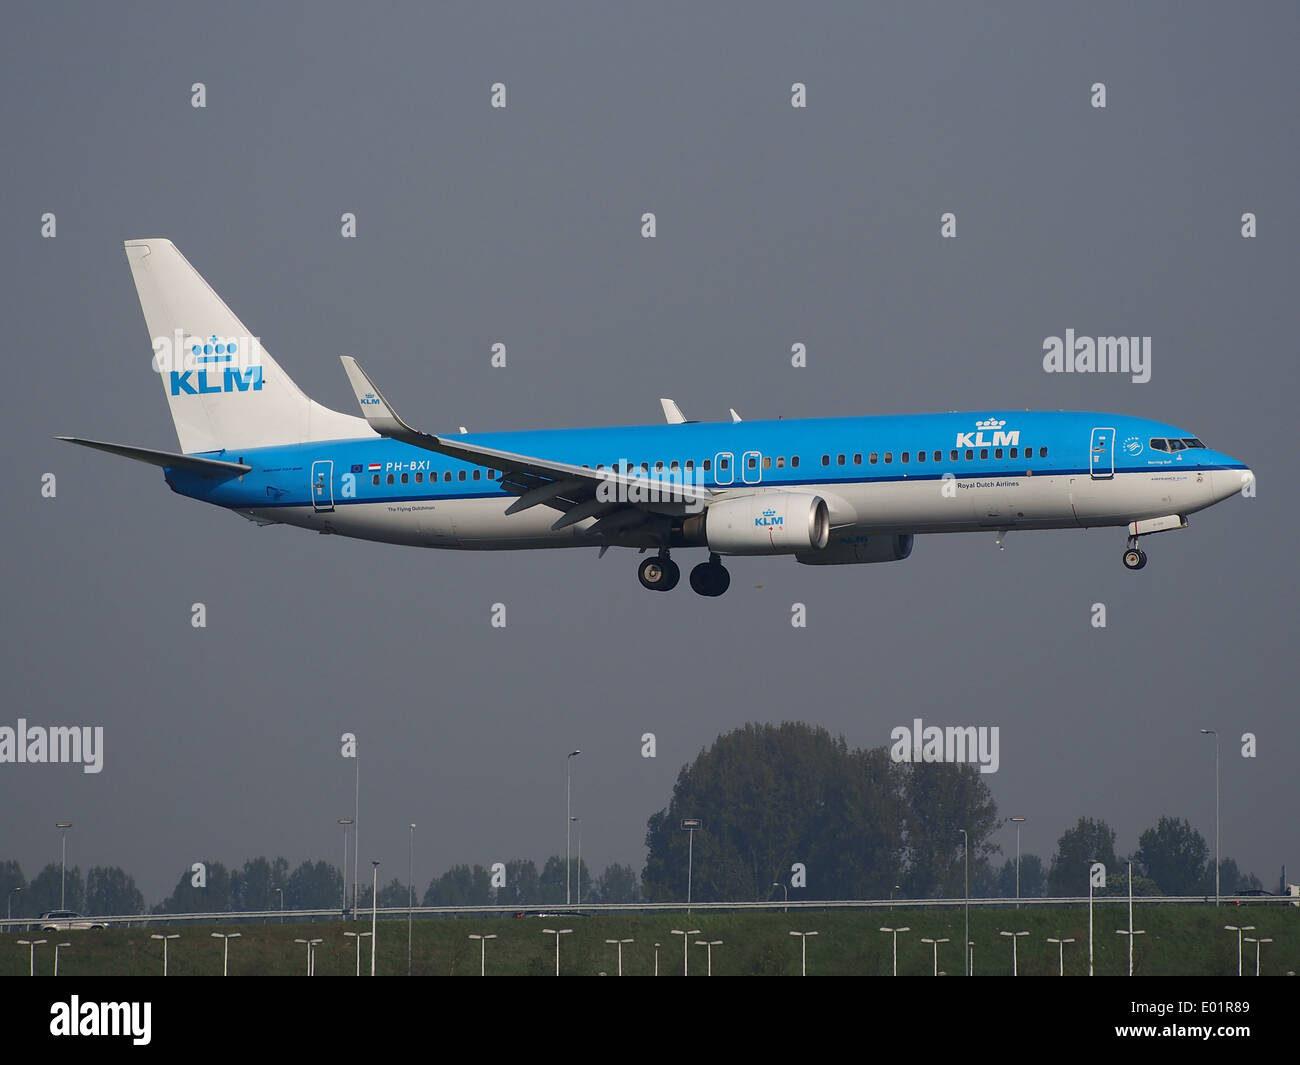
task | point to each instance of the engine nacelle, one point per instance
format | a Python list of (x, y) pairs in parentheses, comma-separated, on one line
[(854, 550), (774, 523)]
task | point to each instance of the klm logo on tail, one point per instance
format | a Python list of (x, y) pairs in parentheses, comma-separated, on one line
[(215, 378)]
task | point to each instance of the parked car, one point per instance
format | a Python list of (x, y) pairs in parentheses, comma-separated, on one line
[(68, 921)]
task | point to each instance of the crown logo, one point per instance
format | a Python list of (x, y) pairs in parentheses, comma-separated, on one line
[(214, 347), (990, 423)]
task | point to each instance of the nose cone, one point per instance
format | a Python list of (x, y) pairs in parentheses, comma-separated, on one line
[(1229, 482)]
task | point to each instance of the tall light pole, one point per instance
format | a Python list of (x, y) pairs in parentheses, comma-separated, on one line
[(12, 892), (1249, 939), (312, 944), (1018, 821), (685, 934), (356, 830), (31, 961), (482, 952), (690, 825), (280, 892), (59, 946), (556, 932), (308, 942), (804, 937), (568, 824), (935, 943), (966, 938), (1015, 968), (173, 935), (410, 900), (578, 877), (1211, 732), (1093, 867), (1130, 931), (1060, 945), (619, 943), (63, 827), (896, 887), (970, 946), (226, 937), (708, 944), (656, 959), (786, 908), (894, 932), (358, 936), (1239, 931), (374, 911), (344, 822)]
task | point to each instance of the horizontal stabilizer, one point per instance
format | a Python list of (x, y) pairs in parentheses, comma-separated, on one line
[(190, 463)]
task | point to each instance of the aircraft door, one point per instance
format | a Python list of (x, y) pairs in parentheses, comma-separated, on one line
[(322, 485), (722, 468), (1101, 455)]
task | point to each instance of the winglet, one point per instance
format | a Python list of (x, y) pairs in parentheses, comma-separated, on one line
[(672, 413), (734, 416), (378, 413)]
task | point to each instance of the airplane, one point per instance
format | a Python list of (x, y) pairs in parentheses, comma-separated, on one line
[(826, 491)]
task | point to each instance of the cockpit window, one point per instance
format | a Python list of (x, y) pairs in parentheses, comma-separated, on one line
[(1191, 441), (1177, 445), (1161, 443)]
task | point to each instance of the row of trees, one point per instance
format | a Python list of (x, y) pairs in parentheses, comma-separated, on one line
[(789, 806), (103, 890)]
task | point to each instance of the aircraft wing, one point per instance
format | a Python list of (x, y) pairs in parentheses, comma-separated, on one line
[(575, 490)]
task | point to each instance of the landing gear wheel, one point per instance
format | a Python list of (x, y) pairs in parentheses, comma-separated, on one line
[(1135, 558), (659, 574), (710, 578)]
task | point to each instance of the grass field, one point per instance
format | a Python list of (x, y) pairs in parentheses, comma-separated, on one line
[(1179, 940)]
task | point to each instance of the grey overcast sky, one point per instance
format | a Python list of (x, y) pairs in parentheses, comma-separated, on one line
[(776, 225)]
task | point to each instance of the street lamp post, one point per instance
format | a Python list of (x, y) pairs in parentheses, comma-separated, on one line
[(896, 887), (345, 821), (308, 945), (356, 834), (708, 944), (225, 937), (173, 935), (1211, 732), (1018, 821), (786, 908), (1130, 931), (374, 910), (557, 932), (1060, 945), (1015, 967), (482, 952), (804, 936), (1249, 939), (656, 959), (568, 824), (966, 938), (1093, 867), (935, 943), (1239, 931), (63, 827), (31, 960), (685, 934), (358, 936), (59, 946), (619, 943), (12, 892), (894, 932), (691, 825), (280, 892), (578, 877), (410, 898)]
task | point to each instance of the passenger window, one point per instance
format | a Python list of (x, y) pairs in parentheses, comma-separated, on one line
[(857, 460), (405, 478), (840, 460), (873, 458), (752, 462), (478, 475), (920, 456), (889, 456), (826, 460), (707, 464), (984, 453), (374, 479), (938, 456), (997, 453), (645, 467), (970, 454), (460, 476), (1042, 452), (390, 478), (780, 462), (906, 456), (794, 460), (1015, 452), (724, 464), (447, 476), (492, 475), (673, 465), (658, 467), (690, 464)]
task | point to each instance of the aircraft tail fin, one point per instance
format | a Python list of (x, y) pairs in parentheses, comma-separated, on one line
[(224, 389)]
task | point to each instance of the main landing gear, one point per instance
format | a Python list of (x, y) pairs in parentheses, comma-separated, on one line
[(1134, 556), (661, 574)]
